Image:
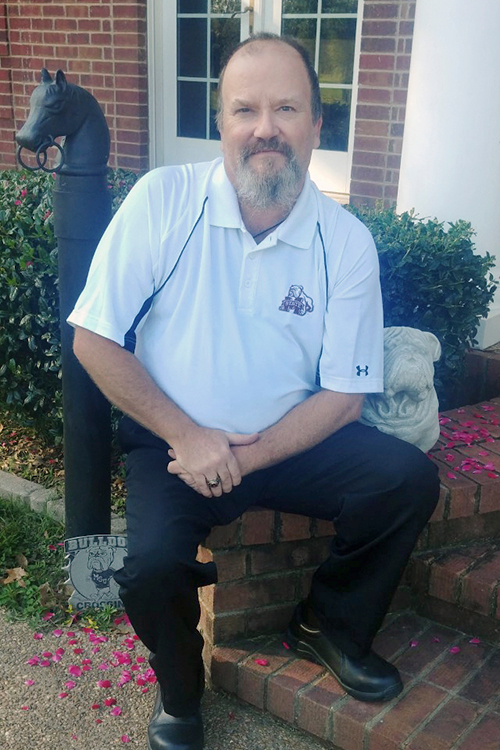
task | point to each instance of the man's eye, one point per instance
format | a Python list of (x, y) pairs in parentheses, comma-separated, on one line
[(242, 110), (286, 108)]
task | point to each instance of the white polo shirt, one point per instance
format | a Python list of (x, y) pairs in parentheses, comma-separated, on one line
[(235, 333)]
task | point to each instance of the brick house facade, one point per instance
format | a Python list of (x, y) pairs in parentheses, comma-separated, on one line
[(102, 46)]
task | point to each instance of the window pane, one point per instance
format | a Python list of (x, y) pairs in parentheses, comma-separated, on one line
[(300, 6), (214, 133), (226, 6), (340, 6), (336, 112), (191, 109), (192, 47), (336, 52), (191, 6), (225, 34), (303, 30)]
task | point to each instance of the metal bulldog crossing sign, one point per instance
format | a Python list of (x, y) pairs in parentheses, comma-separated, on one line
[(91, 564)]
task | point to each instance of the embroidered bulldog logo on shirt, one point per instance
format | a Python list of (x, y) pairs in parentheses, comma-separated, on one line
[(297, 301)]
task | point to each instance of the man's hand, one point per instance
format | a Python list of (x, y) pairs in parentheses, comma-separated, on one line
[(204, 454)]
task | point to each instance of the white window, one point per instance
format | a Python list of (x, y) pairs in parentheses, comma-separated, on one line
[(188, 39)]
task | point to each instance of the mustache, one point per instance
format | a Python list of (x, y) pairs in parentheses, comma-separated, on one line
[(271, 144)]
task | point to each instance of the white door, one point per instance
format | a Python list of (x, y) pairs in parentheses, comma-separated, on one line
[(189, 38)]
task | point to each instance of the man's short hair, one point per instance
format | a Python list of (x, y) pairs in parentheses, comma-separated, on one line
[(316, 106)]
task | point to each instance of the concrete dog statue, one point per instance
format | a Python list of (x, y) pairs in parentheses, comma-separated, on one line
[(408, 407)]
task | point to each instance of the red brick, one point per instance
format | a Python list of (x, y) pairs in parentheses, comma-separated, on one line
[(376, 62), (376, 78), (350, 720), (404, 717), (315, 704), (372, 128), (379, 96), (397, 634), (369, 159), (224, 666), (462, 491), (382, 10), (378, 44), (430, 645), (257, 527), (271, 558), (452, 670), (272, 619), (370, 174), (230, 565), (223, 536), (369, 189), (254, 593), (294, 527), (229, 627), (362, 143), (252, 677), (323, 528), (283, 687), (446, 727), (479, 585), (484, 685), (485, 735), (447, 571), (379, 28)]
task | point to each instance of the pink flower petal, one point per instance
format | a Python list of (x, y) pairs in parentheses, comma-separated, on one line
[(145, 690), (116, 711), (34, 661), (451, 475), (475, 641), (455, 649), (29, 682), (98, 721), (75, 670), (47, 654), (95, 706), (414, 644), (141, 659), (58, 633), (104, 683), (435, 639), (62, 695), (78, 651), (70, 684), (262, 662), (48, 615), (45, 663), (103, 666), (25, 708), (110, 701), (38, 636), (285, 644), (125, 738)]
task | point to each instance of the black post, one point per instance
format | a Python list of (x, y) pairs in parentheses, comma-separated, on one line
[(82, 210)]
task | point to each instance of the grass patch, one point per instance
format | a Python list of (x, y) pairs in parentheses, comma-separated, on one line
[(31, 562)]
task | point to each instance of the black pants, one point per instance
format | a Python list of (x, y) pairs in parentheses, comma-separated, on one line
[(378, 490)]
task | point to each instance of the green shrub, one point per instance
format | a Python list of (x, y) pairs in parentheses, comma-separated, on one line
[(30, 350), (433, 280)]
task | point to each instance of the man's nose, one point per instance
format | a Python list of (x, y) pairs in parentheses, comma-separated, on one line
[(266, 126)]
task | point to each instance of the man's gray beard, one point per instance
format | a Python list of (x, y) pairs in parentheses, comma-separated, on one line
[(272, 188)]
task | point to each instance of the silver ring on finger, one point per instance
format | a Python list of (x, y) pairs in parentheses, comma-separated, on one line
[(213, 482)]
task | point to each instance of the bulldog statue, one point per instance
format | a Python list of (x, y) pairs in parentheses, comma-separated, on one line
[(408, 407)]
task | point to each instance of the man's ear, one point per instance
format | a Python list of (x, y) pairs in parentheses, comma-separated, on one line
[(317, 126)]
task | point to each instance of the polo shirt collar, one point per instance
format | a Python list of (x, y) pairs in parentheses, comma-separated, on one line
[(298, 228)]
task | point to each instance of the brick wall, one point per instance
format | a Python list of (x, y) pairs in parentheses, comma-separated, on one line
[(383, 85), (100, 45)]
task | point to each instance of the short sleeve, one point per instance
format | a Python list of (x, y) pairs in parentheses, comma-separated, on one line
[(352, 354)]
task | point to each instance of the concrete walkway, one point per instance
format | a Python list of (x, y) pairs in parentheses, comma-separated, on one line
[(35, 717)]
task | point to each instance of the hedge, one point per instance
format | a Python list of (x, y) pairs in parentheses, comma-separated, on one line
[(431, 279)]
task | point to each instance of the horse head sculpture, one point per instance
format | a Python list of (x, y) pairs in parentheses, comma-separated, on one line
[(59, 108)]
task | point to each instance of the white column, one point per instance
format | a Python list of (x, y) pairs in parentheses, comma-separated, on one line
[(451, 151)]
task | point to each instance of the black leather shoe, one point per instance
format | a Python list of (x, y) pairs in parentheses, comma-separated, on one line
[(369, 678), (166, 732)]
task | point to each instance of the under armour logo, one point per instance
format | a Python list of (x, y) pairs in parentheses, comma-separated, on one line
[(361, 370)]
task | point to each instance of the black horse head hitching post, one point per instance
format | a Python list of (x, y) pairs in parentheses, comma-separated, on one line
[(59, 108), (82, 210)]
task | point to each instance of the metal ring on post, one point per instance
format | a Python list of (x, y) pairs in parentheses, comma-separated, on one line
[(43, 150), (41, 153)]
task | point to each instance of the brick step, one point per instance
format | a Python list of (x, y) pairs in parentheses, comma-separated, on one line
[(450, 700), (467, 455), (460, 587)]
